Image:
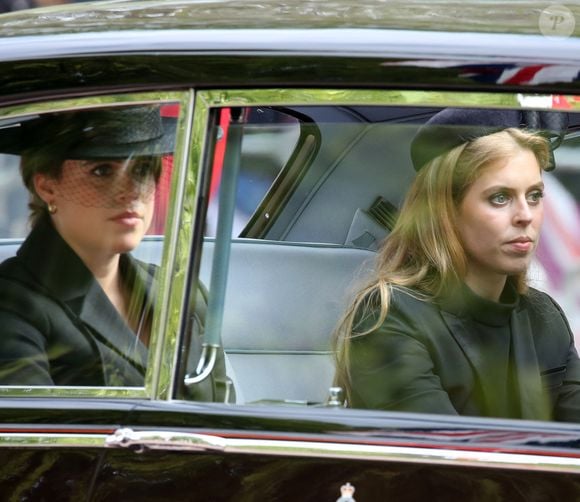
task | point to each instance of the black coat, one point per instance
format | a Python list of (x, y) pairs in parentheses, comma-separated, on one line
[(57, 326), (426, 358)]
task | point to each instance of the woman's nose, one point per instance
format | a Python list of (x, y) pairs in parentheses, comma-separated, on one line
[(128, 188), (523, 213)]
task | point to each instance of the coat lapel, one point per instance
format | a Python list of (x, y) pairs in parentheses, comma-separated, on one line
[(533, 400), (466, 338), (64, 277), (100, 315)]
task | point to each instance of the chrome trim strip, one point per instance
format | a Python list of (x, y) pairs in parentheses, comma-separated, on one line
[(307, 97), (197, 136), (52, 440), (164, 440), (170, 441), (175, 260), (458, 47), (329, 96), (141, 441), (72, 392), (86, 103)]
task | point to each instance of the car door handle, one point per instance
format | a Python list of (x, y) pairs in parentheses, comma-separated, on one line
[(140, 441)]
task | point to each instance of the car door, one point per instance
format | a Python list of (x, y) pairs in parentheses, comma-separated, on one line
[(53, 433)]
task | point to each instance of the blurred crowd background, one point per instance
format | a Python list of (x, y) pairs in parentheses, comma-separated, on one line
[(11, 5)]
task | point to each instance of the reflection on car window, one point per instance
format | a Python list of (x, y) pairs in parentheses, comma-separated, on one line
[(479, 334), (14, 198), (269, 139), (78, 287)]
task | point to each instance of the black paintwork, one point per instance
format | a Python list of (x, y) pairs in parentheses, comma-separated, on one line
[(160, 476), (116, 46), (63, 474), (312, 423), (47, 474), (25, 82)]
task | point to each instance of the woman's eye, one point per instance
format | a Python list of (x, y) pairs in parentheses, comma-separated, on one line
[(499, 199), (141, 169), (535, 196), (102, 170)]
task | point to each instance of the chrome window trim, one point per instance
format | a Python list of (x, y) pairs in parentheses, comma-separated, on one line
[(455, 48), (164, 336), (52, 440), (70, 391), (207, 100), (86, 103), (374, 97), (164, 350), (189, 224), (141, 441)]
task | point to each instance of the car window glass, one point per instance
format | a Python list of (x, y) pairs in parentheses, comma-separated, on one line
[(14, 199), (85, 196), (284, 284), (270, 138)]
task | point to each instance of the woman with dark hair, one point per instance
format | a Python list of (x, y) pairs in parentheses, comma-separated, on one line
[(448, 324), (75, 306)]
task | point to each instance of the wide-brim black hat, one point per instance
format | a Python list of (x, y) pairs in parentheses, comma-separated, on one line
[(92, 134), (452, 127)]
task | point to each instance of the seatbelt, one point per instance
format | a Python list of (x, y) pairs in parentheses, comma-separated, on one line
[(221, 257)]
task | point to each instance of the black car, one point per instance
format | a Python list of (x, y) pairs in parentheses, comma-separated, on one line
[(292, 125)]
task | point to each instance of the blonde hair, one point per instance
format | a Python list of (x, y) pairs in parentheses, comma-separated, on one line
[(415, 255)]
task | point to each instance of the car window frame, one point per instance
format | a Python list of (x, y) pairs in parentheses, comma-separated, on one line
[(163, 331), (209, 102)]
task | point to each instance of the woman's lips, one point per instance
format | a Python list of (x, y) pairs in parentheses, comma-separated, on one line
[(128, 218), (521, 244)]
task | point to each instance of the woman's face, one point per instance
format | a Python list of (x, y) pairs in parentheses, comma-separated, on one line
[(103, 207), (499, 219)]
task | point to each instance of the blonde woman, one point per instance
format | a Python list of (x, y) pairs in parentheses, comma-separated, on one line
[(448, 324)]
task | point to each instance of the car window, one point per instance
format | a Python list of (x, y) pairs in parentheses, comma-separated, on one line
[(270, 139), (85, 202), (14, 197), (278, 291)]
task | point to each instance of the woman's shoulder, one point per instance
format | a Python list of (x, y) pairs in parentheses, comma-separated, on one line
[(13, 269), (21, 294), (409, 298), (404, 304), (546, 317), (541, 304)]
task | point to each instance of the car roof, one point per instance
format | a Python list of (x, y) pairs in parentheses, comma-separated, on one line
[(482, 16), (276, 43), (410, 30)]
